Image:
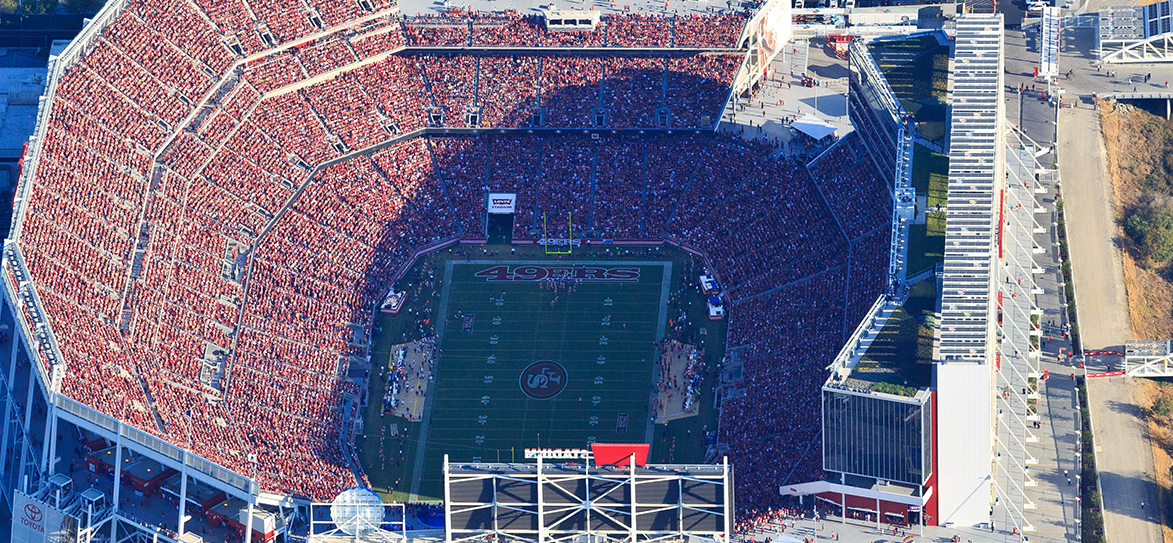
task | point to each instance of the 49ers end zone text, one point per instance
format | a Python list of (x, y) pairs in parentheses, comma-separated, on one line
[(538, 273)]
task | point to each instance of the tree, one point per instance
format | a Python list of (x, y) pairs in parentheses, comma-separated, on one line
[(42, 7), (84, 7), (25, 8)]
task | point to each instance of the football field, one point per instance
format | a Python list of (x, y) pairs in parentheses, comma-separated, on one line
[(530, 361)]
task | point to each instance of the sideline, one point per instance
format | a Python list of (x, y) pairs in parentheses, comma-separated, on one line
[(426, 421)]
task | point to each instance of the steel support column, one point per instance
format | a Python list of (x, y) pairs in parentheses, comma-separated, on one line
[(448, 506), (634, 500), (115, 506), (182, 495), (542, 506), (248, 528), (28, 416)]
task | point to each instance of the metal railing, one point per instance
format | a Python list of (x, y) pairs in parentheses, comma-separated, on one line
[(155, 447)]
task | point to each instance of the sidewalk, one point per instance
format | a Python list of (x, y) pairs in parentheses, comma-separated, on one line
[(782, 97)]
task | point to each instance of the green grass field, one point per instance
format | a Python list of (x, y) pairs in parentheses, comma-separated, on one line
[(602, 334), (930, 175), (902, 353), (917, 69), (926, 243)]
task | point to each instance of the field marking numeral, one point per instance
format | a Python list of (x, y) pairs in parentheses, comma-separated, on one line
[(492, 359), (608, 301), (606, 321), (602, 340), (488, 379), (497, 320), (596, 400), (485, 400), (602, 359), (591, 439), (594, 421), (483, 419), (493, 339), (499, 301), (599, 380), (480, 440)]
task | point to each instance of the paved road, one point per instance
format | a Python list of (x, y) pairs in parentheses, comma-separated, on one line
[(1091, 225), (1126, 462), (1124, 453)]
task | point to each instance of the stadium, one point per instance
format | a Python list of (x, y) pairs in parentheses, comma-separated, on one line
[(264, 252)]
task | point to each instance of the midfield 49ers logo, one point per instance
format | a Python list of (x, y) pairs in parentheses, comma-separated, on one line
[(538, 273), (543, 380)]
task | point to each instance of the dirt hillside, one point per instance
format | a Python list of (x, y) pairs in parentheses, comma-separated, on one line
[(1137, 142)]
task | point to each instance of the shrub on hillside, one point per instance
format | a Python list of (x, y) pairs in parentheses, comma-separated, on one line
[(1151, 227)]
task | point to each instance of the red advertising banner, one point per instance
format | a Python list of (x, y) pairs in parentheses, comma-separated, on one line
[(619, 454)]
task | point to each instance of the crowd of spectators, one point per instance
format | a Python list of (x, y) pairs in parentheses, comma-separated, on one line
[(172, 67), (410, 169), (869, 271), (789, 334), (178, 23), (573, 91), (764, 227), (438, 29), (639, 30), (326, 55), (779, 518), (570, 90), (633, 89), (347, 111), (274, 71), (322, 269), (626, 29), (85, 91), (709, 30), (376, 37), (397, 88), (261, 24), (694, 83), (507, 89), (203, 287), (851, 183), (508, 30), (462, 164), (293, 126), (453, 81), (620, 182)]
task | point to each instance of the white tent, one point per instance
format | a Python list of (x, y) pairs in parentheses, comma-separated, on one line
[(813, 127)]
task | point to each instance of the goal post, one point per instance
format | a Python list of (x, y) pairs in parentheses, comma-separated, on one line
[(548, 246)]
